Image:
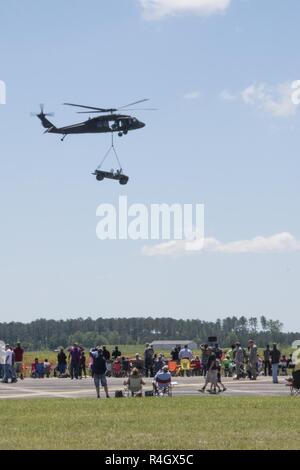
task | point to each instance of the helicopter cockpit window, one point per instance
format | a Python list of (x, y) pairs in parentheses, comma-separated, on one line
[(115, 125)]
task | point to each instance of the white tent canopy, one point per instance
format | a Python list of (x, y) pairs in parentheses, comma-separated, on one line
[(296, 344)]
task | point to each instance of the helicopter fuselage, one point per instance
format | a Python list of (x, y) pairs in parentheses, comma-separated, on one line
[(98, 125)]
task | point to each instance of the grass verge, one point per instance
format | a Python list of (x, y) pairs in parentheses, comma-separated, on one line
[(151, 423)]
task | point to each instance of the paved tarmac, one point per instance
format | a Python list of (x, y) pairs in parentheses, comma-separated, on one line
[(185, 386)]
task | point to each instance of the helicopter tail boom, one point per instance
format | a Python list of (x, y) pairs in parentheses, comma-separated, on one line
[(45, 122)]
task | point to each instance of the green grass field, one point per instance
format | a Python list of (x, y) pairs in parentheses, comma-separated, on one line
[(151, 423), (127, 350)]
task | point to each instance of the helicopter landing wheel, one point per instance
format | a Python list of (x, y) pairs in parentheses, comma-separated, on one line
[(120, 134), (125, 132), (123, 181)]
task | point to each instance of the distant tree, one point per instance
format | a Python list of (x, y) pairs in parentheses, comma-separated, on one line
[(253, 325), (263, 322)]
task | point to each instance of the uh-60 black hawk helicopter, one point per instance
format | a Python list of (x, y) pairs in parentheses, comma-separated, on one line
[(112, 121)]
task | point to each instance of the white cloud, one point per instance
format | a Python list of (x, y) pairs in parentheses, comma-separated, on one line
[(157, 9), (279, 243), (276, 101), (225, 95), (193, 95)]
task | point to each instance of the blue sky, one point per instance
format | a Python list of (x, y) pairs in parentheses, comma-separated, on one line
[(225, 135)]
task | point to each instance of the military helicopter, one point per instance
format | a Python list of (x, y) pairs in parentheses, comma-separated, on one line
[(111, 121)]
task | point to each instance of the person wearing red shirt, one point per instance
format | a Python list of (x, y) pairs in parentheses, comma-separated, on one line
[(19, 353), (196, 366)]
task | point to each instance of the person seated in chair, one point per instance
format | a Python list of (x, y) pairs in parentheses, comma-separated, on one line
[(290, 362), (162, 380), (34, 367), (47, 368), (138, 363), (37, 369), (196, 366), (283, 365), (135, 383), (125, 363)]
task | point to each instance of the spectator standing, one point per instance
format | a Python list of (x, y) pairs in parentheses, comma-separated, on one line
[(219, 376), (239, 360), (8, 366), (204, 358), (19, 354), (275, 355), (211, 374), (61, 362), (218, 351), (116, 353), (227, 366), (185, 353), (99, 370), (174, 354), (2, 361), (82, 365), (74, 356), (267, 361), (252, 360), (232, 351), (158, 363), (106, 353), (148, 360)]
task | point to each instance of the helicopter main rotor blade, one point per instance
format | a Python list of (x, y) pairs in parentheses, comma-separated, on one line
[(132, 104), (139, 109), (90, 112), (101, 110), (125, 109)]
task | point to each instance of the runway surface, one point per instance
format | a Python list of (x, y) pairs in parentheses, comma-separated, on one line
[(185, 386)]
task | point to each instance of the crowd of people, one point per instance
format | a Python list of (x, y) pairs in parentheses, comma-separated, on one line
[(212, 363)]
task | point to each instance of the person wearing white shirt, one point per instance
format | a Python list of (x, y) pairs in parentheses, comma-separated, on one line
[(8, 368), (2, 359)]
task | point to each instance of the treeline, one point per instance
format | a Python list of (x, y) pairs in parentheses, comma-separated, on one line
[(50, 334)]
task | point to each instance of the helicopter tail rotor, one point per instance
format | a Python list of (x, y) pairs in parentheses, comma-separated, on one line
[(42, 113), (43, 117)]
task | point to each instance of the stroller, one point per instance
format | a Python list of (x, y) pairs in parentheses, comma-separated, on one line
[(294, 383)]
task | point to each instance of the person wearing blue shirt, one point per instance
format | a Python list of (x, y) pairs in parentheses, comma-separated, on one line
[(185, 353), (162, 379)]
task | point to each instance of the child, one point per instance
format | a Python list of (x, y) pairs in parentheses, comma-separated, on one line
[(218, 363)]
